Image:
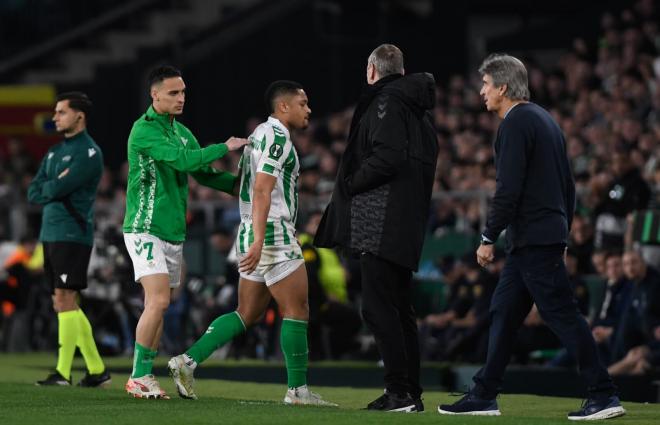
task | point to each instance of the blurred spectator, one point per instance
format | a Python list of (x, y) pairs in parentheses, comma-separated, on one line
[(19, 164), (436, 331), (333, 321), (582, 244), (641, 358), (309, 178), (470, 339), (598, 259), (617, 293), (24, 270), (578, 284), (627, 192), (113, 298), (642, 313)]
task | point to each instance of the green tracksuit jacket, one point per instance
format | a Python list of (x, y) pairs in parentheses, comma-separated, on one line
[(161, 154)]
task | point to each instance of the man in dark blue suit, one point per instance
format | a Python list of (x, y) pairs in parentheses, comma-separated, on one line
[(534, 201)]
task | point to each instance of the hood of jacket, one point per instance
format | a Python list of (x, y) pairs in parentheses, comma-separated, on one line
[(416, 90)]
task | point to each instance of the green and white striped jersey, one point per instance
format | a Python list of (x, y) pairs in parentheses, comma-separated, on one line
[(270, 151)]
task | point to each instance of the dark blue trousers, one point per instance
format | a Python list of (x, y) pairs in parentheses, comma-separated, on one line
[(538, 275)]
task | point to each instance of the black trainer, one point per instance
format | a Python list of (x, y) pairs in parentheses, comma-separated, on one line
[(419, 405), (95, 380), (593, 409), (54, 379), (470, 404), (391, 402)]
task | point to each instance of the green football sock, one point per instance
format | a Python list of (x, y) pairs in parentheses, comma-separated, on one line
[(67, 336), (293, 340), (222, 330), (143, 361), (87, 345)]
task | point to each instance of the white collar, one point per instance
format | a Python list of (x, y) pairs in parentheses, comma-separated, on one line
[(274, 121)]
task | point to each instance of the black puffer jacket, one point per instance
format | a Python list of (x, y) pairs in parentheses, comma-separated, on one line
[(383, 189)]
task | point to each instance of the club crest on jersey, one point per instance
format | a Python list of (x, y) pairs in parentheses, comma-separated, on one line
[(66, 158), (276, 151), (184, 141)]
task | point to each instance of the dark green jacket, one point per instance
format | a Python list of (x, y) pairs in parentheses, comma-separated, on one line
[(68, 214)]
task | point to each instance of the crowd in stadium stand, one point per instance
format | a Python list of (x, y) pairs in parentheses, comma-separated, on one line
[(604, 93)]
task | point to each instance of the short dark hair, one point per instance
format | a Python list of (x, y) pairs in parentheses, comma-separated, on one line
[(388, 60), (78, 101), (277, 89), (160, 73)]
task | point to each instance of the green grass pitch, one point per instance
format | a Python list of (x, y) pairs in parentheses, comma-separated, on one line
[(228, 402)]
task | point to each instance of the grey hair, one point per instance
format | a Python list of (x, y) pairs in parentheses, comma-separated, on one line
[(387, 59), (506, 69)]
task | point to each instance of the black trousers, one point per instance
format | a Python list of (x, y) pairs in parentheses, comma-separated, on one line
[(388, 313), (538, 275)]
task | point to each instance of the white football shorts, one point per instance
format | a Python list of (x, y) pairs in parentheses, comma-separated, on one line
[(152, 255), (277, 262)]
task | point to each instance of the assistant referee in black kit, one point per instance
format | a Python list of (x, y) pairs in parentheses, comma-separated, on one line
[(534, 201)]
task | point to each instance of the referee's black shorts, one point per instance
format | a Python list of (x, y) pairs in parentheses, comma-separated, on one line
[(65, 265)]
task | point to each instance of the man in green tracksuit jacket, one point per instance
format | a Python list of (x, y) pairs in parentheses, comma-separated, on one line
[(161, 154), (66, 186)]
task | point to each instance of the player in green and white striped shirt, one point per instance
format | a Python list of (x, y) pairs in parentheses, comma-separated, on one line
[(271, 262), (271, 152)]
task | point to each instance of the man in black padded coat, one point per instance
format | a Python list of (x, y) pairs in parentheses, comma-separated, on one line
[(379, 210)]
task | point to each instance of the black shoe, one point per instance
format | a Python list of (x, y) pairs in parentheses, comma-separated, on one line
[(391, 402), (95, 380), (592, 409), (419, 405), (470, 404), (54, 379)]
